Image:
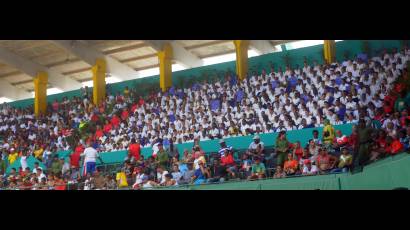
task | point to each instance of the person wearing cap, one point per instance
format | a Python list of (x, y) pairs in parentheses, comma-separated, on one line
[(257, 147), (224, 147), (308, 168), (258, 170)]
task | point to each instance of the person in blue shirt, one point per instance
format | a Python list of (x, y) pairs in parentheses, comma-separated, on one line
[(200, 174)]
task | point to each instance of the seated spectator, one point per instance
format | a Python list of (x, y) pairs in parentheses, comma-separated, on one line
[(228, 162), (224, 147), (169, 181), (186, 176), (246, 166), (258, 170), (200, 174), (313, 150), (161, 172), (256, 148), (324, 161), (279, 173), (291, 165), (393, 146), (309, 169), (340, 140), (316, 138), (121, 180), (176, 173), (344, 162), (218, 172), (298, 151)]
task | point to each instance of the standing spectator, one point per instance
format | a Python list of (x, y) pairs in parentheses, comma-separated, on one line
[(282, 147), (328, 133), (364, 135), (162, 156), (90, 159), (134, 150)]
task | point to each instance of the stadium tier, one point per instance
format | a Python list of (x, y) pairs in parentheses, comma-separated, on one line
[(294, 120)]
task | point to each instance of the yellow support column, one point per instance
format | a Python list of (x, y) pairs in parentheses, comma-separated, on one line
[(329, 50), (165, 67), (99, 70), (40, 93), (241, 58)]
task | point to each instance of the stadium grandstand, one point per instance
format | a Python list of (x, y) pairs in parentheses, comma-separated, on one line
[(204, 114)]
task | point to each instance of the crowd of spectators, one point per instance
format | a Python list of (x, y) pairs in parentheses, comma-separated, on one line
[(317, 96)]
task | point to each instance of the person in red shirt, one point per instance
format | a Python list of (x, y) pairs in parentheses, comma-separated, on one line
[(134, 150), (99, 132), (55, 105), (393, 146), (95, 117), (228, 161), (134, 107), (388, 103), (124, 114), (107, 127), (298, 151), (75, 158), (115, 121), (141, 101), (291, 165)]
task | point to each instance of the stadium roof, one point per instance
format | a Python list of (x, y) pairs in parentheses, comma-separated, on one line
[(69, 61)]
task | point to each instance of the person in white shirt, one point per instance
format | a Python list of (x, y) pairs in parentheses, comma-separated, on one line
[(23, 161), (308, 168), (90, 159)]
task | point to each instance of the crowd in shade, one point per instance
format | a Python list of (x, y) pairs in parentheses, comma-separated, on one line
[(366, 92)]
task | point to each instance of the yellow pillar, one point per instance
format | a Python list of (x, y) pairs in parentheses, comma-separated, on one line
[(40, 93), (165, 67), (329, 50), (241, 47), (99, 70)]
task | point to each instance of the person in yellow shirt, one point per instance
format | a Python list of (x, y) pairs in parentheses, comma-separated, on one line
[(38, 153), (126, 92), (328, 133), (122, 179), (12, 156)]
